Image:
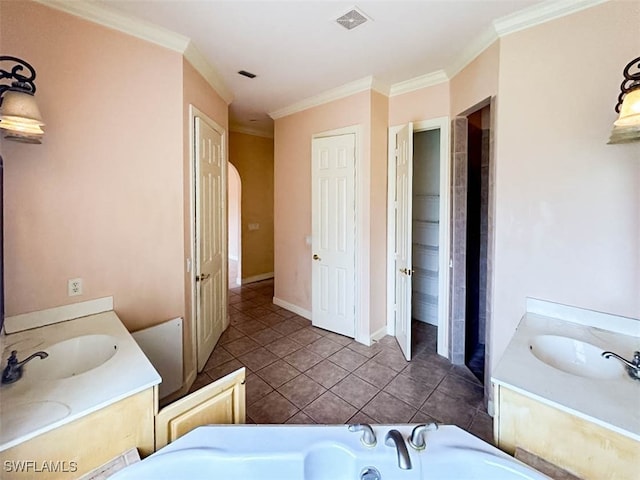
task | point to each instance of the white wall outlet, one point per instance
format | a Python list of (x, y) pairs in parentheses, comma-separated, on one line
[(74, 287)]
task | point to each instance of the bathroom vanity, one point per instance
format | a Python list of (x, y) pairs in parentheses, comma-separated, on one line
[(93, 397), (558, 398)]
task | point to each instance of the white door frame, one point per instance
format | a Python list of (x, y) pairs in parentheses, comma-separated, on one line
[(362, 247), (191, 260), (441, 123)]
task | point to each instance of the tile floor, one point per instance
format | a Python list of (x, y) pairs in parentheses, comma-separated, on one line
[(297, 373)]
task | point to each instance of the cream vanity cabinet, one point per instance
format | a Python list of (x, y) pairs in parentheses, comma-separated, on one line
[(221, 402), (80, 446), (582, 447)]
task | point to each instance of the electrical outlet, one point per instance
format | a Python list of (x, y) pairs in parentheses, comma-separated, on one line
[(74, 287), (254, 226)]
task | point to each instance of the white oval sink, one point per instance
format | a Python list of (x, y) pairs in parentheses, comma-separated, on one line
[(72, 357), (574, 356)]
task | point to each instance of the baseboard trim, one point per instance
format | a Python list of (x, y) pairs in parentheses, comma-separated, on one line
[(257, 278), (292, 308), (378, 334)]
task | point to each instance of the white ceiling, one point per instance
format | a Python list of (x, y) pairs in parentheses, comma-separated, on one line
[(298, 50)]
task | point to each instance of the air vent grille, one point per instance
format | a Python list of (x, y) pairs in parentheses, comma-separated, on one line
[(352, 19)]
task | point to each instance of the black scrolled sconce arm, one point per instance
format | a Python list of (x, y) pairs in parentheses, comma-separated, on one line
[(631, 81), (20, 80)]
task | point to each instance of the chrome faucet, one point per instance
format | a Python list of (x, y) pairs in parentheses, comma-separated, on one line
[(394, 439), (418, 438), (633, 366), (13, 371), (368, 438)]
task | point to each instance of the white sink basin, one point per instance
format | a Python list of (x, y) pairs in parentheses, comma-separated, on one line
[(72, 357), (574, 356)]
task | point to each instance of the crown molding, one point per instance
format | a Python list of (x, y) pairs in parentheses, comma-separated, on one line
[(250, 131), (145, 31), (121, 22), (538, 14), (479, 44), (337, 93), (200, 63), (423, 81)]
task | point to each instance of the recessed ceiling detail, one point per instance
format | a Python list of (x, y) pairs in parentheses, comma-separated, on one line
[(244, 73), (352, 19)]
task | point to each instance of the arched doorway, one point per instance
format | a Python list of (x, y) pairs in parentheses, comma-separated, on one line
[(235, 225)]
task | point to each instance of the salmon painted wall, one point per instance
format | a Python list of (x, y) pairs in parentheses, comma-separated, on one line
[(477, 81), (568, 205), (423, 104), (101, 198), (292, 199), (378, 215), (197, 92), (253, 157)]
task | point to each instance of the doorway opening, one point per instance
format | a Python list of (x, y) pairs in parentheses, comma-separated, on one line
[(472, 238), (478, 132), (235, 224), (418, 236), (425, 234)]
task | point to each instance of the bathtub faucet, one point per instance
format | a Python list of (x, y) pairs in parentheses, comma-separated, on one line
[(633, 366), (368, 437), (394, 439), (13, 371), (418, 438)]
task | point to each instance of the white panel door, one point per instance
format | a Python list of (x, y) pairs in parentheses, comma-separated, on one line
[(403, 271), (333, 233), (211, 284)]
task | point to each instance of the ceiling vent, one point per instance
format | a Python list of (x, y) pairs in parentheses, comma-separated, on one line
[(244, 73), (352, 19)]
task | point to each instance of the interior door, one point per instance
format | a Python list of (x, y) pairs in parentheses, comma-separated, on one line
[(333, 234), (211, 283), (403, 271), (220, 402)]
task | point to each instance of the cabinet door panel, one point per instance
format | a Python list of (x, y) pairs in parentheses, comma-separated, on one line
[(221, 402)]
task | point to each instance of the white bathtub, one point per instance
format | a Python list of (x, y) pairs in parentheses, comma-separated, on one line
[(310, 452)]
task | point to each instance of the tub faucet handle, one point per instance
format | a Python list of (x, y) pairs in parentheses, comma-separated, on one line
[(394, 439), (418, 438), (368, 438)]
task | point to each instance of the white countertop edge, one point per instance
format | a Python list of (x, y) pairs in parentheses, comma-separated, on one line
[(566, 409), (581, 316), (70, 418), (41, 318)]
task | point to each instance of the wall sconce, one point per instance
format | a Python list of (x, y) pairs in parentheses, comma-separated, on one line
[(19, 113), (626, 128)]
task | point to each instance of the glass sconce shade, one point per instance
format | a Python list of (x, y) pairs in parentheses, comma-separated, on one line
[(630, 110), (19, 113)]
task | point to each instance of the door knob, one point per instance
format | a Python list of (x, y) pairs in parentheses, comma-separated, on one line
[(202, 277), (316, 257)]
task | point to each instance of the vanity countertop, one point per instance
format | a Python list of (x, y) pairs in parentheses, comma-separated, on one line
[(609, 402), (32, 406)]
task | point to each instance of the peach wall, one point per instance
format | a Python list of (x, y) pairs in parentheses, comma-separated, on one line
[(423, 104), (292, 199), (378, 206), (568, 205), (477, 81), (197, 92), (253, 157), (101, 198)]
